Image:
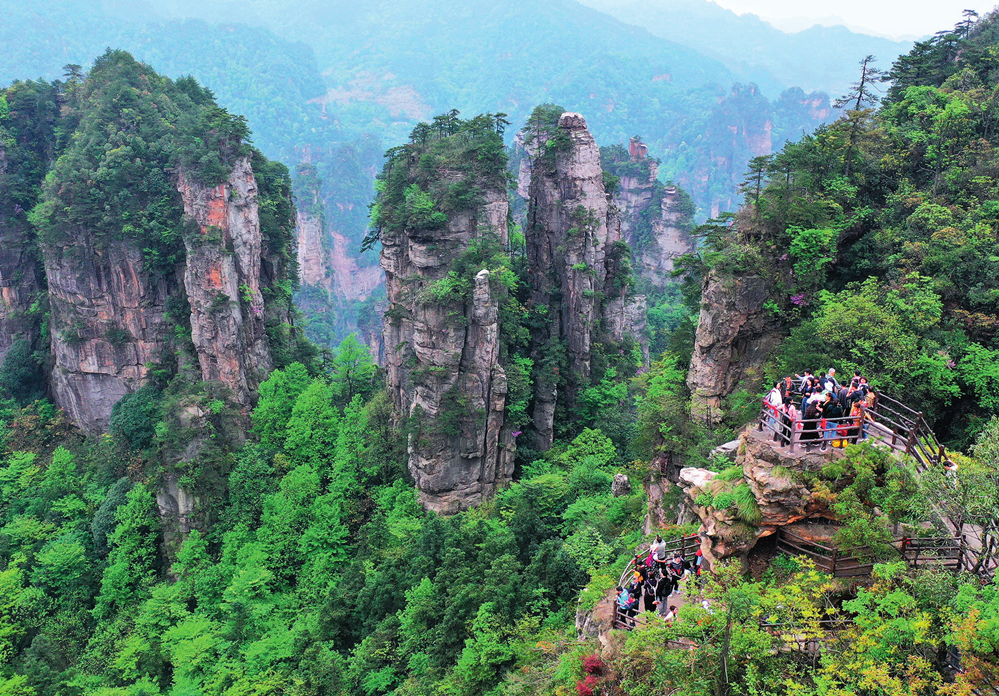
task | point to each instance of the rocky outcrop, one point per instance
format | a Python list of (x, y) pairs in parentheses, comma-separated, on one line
[(735, 335), (572, 227), (656, 219), (775, 478), (351, 281), (179, 512), (627, 316), (442, 357), (324, 261), (670, 239), (222, 281), (113, 318), (313, 252), (567, 236)]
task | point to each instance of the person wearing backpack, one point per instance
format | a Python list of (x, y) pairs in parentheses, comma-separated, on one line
[(676, 568), (649, 588)]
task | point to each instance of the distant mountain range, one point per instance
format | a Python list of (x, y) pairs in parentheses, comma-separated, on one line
[(314, 73), (815, 58)]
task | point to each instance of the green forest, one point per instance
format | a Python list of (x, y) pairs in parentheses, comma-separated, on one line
[(308, 565)]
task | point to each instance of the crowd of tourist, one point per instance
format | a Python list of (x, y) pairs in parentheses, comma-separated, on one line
[(821, 411), (655, 579)]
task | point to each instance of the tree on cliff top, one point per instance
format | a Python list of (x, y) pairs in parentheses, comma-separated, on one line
[(116, 177), (410, 189)]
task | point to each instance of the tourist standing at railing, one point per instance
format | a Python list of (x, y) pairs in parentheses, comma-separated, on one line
[(810, 422), (794, 416), (802, 380), (774, 402), (670, 615), (833, 414), (786, 389), (829, 382), (786, 423), (658, 547), (677, 568), (856, 421), (649, 593)]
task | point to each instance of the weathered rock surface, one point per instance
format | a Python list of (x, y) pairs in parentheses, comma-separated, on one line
[(774, 477), (108, 323), (620, 486), (313, 251), (652, 220), (628, 316), (109, 311), (572, 225), (179, 513), (567, 238), (735, 334), (655, 512), (19, 274), (442, 359), (223, 288), (324, 261)]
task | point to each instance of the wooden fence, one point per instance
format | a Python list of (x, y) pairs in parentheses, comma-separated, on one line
[(949, 553), (887, 422)]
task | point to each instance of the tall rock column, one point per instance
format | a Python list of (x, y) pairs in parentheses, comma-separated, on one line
[(222, 279), (656, 219), (442, 345), (567, 236)]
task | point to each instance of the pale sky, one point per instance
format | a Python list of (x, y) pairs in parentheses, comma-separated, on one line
[(893, 18)]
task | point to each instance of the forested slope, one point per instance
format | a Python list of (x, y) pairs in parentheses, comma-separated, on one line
[(880, 230)]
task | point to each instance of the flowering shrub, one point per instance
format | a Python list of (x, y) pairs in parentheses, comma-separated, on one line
[(592, 664)]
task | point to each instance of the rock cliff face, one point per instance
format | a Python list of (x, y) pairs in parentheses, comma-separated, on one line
[(567, 236), (108, 318), (324, 261), (442, 357), (113, 317), (781, 497), (222, 281), (571, 230), (20, 284), (313, 253), (655, 221), (336, 291), (735, 334)]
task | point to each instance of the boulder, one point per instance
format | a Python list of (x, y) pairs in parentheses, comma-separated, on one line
[(621, 486), (777, 480)]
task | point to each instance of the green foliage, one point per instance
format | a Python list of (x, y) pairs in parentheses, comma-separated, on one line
[(812, 251), (132, 563), (21, 376), (312, 427), (127, 106), (277, 399), (134, 417), (412, 194), (352, 371), (519, 383)]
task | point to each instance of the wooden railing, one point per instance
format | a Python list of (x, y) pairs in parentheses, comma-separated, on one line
[(893, 424), (887, 422), (949, 553), (840, 563)]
